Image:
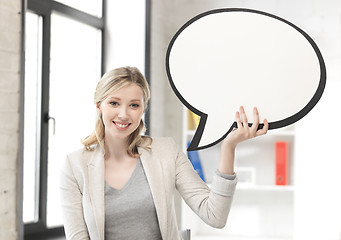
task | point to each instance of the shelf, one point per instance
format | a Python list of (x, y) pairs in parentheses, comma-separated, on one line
[(279, 132), (267, 209), (265, 188), (191, 132)]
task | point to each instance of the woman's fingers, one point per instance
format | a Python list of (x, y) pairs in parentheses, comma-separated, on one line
[(243, 131), (255, 121), (244, 117), (242, 122), (238, 120), (265, 128)]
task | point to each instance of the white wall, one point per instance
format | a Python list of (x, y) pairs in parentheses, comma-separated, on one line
[(10, 35), (319, 18), (317, 161), (124, 34), (318, 164)]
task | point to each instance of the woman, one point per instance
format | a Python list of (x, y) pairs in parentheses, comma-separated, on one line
[(121, 185)]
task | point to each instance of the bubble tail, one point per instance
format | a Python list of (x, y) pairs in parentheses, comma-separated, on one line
[(194, 145), (198, 134)]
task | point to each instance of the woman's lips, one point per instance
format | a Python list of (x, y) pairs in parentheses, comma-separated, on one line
[(121, 126)]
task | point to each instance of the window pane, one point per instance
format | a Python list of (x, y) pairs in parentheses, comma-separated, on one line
[(33, 37), (128, 47), (74, 73), (93, 7)]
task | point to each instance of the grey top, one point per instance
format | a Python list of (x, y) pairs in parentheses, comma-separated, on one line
[(226, 176), (130, 212)]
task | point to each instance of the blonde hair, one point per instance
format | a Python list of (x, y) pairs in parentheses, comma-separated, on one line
[(113, 81)]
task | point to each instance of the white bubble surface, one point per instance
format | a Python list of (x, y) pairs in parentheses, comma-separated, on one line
[(228, 58)]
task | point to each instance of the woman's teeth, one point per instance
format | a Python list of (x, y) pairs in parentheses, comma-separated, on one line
[(122, 125)]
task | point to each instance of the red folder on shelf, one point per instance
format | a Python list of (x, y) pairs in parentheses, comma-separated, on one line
[(281, 149)]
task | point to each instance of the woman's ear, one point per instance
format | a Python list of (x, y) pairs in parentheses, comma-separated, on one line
[(98, 107), (145, 108)]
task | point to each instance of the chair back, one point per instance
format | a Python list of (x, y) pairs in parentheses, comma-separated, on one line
[(186, 234)]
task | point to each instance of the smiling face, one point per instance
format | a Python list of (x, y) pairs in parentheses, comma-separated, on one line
[(122, 111)]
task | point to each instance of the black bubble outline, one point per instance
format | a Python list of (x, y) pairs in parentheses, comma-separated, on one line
[(272, 125)]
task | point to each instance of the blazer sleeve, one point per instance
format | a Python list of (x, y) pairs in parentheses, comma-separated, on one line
[(71, 202), (213, 204)]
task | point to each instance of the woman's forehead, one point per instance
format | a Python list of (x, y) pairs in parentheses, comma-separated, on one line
[(130, 91)]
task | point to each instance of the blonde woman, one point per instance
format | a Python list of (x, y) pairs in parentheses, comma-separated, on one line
[(121, 184)]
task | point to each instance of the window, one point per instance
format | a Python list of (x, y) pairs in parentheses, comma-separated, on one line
[(63, 62), (32, 115), (74, 72), (93, 7)]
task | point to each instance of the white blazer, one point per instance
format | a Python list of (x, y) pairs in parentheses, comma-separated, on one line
[(167, 168)]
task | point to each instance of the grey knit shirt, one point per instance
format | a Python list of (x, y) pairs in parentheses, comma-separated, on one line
[(130, 212)]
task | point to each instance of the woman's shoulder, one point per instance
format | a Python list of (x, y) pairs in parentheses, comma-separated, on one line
[(83, 155), (162, 141), (81, 152), (164, 144), (76, 152)]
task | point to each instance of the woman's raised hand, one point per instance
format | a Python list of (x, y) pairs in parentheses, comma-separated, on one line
[(244, 132)]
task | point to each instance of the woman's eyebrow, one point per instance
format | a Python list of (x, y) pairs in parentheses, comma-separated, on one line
[(132, 100), (116, 98)]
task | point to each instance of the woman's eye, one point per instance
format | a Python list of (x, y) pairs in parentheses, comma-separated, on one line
[(134, 105), (114, 103)]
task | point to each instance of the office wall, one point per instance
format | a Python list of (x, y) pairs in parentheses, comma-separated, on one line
[(317, 208), (10, 35), (319, 18)]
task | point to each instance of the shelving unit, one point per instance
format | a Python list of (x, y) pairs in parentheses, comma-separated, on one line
[(261, 209)]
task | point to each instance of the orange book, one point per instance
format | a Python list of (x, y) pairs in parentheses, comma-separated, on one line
[(281, 149)]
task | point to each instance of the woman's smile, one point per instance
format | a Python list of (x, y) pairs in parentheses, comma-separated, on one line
[(121, 126)]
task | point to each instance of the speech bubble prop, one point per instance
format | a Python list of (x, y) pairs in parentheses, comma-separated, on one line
[(227, 58)]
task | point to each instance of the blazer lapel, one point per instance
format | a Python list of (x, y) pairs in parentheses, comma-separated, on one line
[(96, 189), (153, 170)]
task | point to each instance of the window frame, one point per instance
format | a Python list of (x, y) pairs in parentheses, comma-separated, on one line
[(44, 9)]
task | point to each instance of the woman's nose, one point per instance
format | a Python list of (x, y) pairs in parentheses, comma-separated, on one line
[(123, 114)]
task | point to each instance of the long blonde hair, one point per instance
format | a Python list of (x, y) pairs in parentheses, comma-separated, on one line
[(110, 82)]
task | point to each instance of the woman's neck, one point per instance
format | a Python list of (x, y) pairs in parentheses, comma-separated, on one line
[(115, 149)]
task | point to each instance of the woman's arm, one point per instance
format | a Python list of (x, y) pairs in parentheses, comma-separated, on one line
[(238, 135), (72, 208), (213, 204)]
